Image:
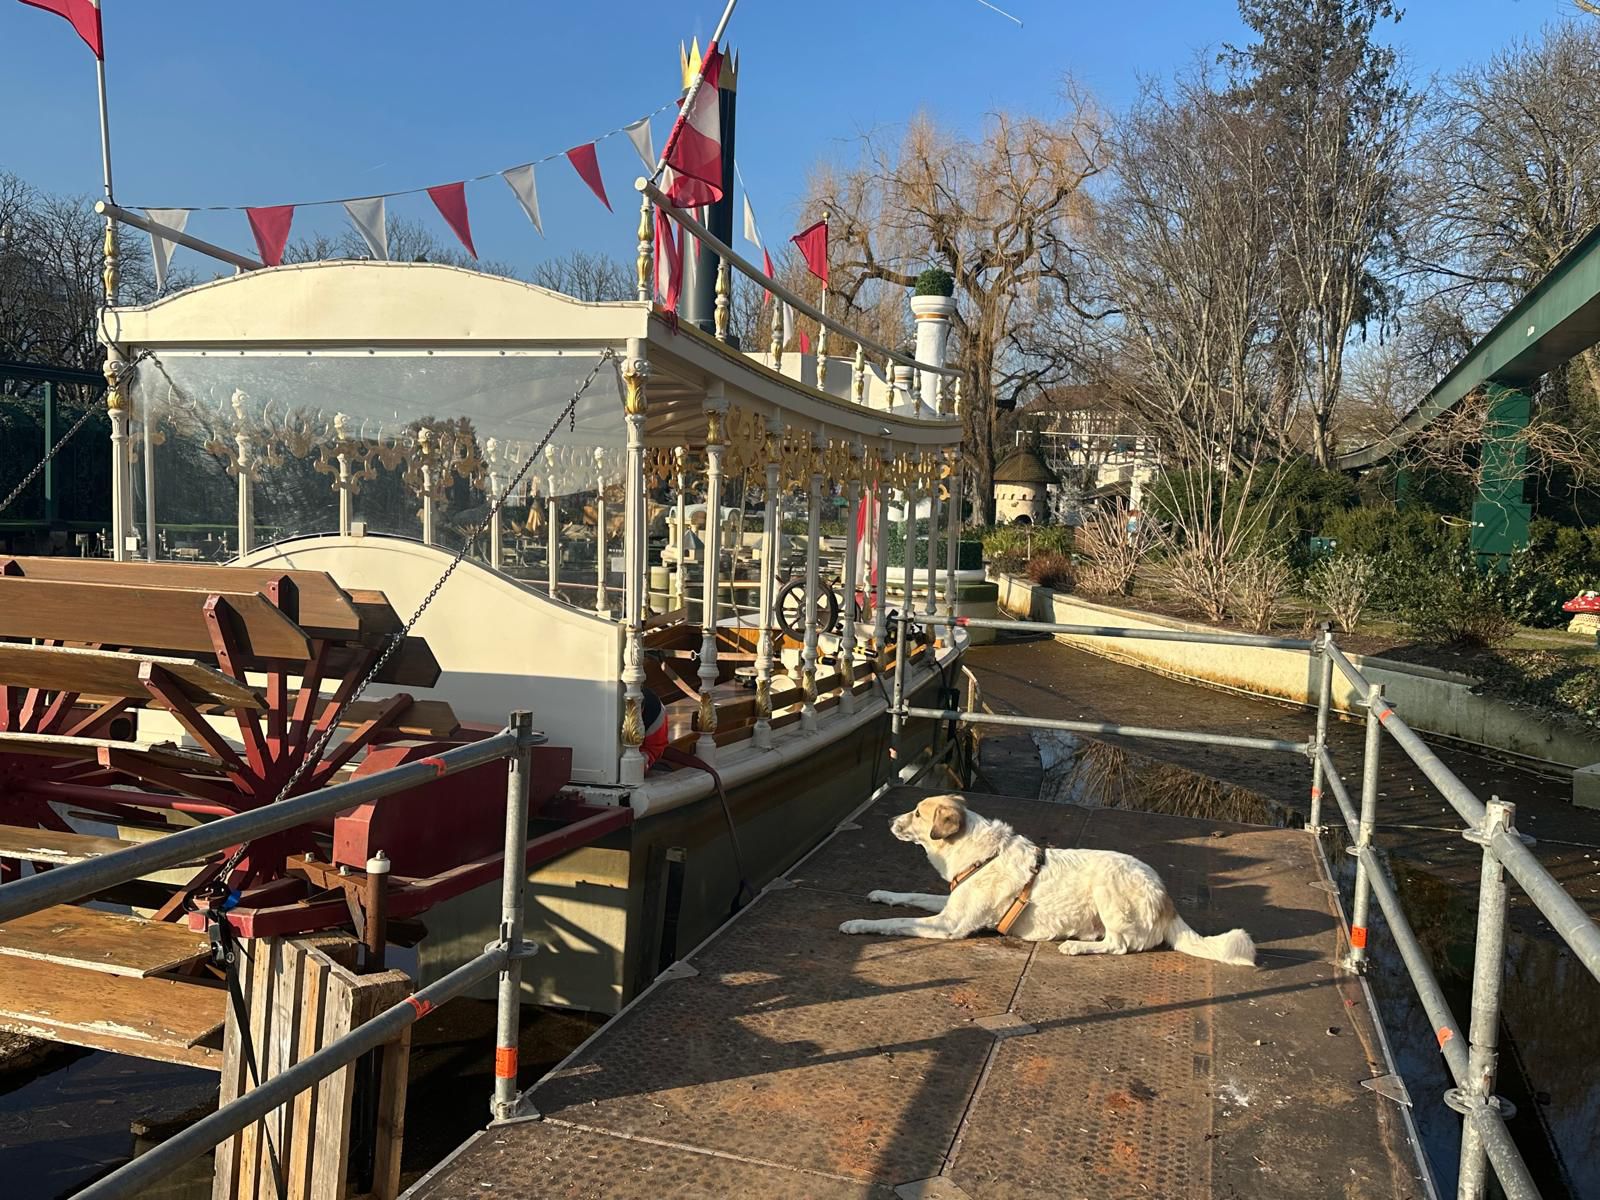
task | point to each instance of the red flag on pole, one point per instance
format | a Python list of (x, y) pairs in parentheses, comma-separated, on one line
[(271, 229), (692, 162), (84, 15), (766, 262), (583, 161), (669, 261), (813, 244), (451, 201), (805, 343)]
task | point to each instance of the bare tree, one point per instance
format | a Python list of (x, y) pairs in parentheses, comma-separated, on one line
[(1336, 116), (586, 276), (408, 241), (1001, 213)]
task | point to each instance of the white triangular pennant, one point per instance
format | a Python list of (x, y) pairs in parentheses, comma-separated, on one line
[(751, 233), (639, 134), (368, 217), (788, 324), (521, 181), (160, 248)]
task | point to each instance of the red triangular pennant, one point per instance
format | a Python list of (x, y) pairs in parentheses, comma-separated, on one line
[(813, 243), (583, 161), (669, 261), (451, 201), (271, 229), (85, 18), (766, 262), (805, 343)]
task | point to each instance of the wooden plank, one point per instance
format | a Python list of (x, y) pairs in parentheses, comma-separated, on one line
[(330, 1162), (53, 846), (143, 617), (313, 1001), (326, 609), (109, 674), (108, 943), (394, 1076), (52, 745), (378, 618), (424, 719), (152, 1017)]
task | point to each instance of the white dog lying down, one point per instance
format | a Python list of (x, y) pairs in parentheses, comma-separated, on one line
[(1100, 901)]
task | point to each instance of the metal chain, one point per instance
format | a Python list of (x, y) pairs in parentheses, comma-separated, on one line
[(127, 370), (312, 755)]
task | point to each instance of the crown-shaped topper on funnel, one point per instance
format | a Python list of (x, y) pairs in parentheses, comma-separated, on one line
[(691, 61)]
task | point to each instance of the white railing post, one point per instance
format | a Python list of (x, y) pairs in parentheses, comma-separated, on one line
[(952, 542), (771, 540), (246, 459), (646, 260), (601, 551), (808, 653), (933, 537), (552, 530), (680, 581), (880, 562), (847, 631), (716, 409), (635, 373), (908, 534), (1377, 709)]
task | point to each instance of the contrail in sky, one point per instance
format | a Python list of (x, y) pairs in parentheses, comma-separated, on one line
[(1001, 11)]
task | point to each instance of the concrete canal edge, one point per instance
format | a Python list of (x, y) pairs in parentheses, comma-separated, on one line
[(1438, 703)]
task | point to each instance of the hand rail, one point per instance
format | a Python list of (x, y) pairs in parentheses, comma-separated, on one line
[(732, 256), (74, 882)]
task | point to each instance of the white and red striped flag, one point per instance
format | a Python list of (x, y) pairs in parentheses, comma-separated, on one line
[(692, 163)]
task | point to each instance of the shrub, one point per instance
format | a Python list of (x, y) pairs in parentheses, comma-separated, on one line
[(1452, 599), (935, 281), (1110, 553), (1259, 580), (1007, 548), (1343, 584), (1199, 578), (1051, 570)]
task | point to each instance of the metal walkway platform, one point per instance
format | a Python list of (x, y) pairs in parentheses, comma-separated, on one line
[(799, 1062)]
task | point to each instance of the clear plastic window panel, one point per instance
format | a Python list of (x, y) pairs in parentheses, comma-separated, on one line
[(390, 428)]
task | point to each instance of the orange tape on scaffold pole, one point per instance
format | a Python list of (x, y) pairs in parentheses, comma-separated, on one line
[(505, 1062), (1444, 1034), (1358, 936), (440, 767), (423, 1007)]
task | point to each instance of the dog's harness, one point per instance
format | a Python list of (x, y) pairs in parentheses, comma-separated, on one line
[(1024, 897)]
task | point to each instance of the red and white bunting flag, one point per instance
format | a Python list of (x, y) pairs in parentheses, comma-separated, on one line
[(813, 244), (693, 159), (788, 325), (521, 181), (451, 201), (271, 229), (766, 262), (160, 248), (587, 166), (752, 233), (639, 134), (85, 18), (805, 342), (669, 261), (372, 223)]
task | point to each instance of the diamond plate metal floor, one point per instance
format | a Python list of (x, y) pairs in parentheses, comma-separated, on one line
[(802, 1063)]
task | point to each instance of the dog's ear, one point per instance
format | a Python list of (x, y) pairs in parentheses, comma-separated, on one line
[(949, 820)]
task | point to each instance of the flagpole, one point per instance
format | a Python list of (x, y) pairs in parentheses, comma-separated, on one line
[(694, 90), (105, 127)]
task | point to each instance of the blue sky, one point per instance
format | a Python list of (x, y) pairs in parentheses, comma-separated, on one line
[(218, 102)]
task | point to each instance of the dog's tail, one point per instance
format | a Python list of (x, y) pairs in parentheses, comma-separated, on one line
[(1233, 947)]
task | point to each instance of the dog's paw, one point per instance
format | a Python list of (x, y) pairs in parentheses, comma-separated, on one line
[(882, 897), (856, 927)]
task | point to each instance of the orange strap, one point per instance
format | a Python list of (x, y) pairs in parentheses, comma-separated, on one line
[(1023, 897)]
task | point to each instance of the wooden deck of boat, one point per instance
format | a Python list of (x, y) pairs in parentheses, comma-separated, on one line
[(794, 1061)]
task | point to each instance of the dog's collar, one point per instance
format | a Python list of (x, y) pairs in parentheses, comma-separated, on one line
[(961, 877)]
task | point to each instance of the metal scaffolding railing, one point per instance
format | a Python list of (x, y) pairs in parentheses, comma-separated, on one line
[(503, 956), (1471, 1055)]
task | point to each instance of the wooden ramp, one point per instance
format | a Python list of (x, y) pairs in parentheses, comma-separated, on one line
[(793, 1061)]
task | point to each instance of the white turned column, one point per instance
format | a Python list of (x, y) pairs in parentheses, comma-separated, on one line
[(552, 523), (680, 580), (117, 409), (635, 373), (716, 406), (847, 632), (770, 541), (425, 452), (858, 376), (344, 494), (491, 457), (908, 533), (776, 346), (952, 545), (241, 443), (646, 259), (808, 653), (933, 540), (880, 562), (932, 314), (146, 435), (724, 288), (601, 551)]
